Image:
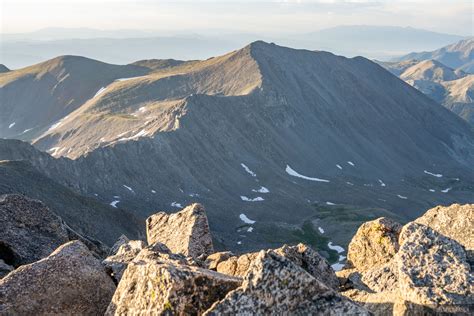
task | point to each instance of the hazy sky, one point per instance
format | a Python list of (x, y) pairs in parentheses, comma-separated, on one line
[(279, 16)]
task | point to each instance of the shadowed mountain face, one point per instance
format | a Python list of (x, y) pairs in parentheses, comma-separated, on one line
[(269, 134)]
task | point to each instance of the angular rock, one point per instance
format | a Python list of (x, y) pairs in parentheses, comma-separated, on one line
[(301, 255), (29, 231), (71, 281), (5, 268), (155, 284), (382, 278), (275, 285), (116, 264), (432, 268), (311, 261), (375, 244), (120, 241), (455, 221), (213, 260), (185, 232)]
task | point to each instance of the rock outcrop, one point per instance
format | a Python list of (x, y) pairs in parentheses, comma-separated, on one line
[(4, 268), (455, 221), (117, 263), (301, 255), (429, 273), (29, 231), (71, 281), (374, 244), (275, 285), (162, 283), (186, 232)]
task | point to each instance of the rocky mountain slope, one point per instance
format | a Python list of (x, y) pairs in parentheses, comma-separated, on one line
[(280, 144), (451, 88), (459, 55), (421, 268)]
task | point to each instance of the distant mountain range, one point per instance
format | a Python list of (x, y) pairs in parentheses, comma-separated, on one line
[(126, 46), (445, 75), (273, 141)]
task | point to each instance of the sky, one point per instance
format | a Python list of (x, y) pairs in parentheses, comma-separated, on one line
[(265, 17)]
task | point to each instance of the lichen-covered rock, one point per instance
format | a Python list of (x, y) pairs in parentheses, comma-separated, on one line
[(185, 232), (455, 221), (374, 244), (71, 281), (382, 278), (153, 284), (213, 260), (29, 231), (301, 255), (237, 265), (311, 261), (432, 268), (4, 268), (275, 285), (126, 252)]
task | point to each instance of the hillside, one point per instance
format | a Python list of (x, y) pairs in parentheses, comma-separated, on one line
[(459, 55), (36, 97), (449, 87), (278, 136)]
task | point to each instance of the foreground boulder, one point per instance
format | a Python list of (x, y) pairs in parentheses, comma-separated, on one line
[(71, 281), (432, 268), (301, 255), (430, 272), (117, 263), (186, 232), (374, 244), (157, 282), (455, 221), (275, 285), (29, 231)]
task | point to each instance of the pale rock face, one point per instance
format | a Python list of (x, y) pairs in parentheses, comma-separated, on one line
[(275, 285), (186, 232), (71, 281), (117, 263), (120, 241), (213, 260), (455, 221), (375, 243), (432, 268), (158, 285)]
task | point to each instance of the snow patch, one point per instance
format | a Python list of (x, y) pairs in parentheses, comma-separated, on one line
[(114, 203), (341, 257), (350, 183), (26, 131), (337, 248), (130, 78), (446, 190), (261, 190), (11, 125), (128, 188), (247, 199), (137, 135), (382, 184), (339, 166), (351, 163), (337, 266), (321, 230), (250, 229), (153, 191), (55, 125), (402, 197), (437, 175), (176, 204), (431, 190), (247, 169), (101, 90), (330, 203), (245, 219), (239, 243), (293, 173)]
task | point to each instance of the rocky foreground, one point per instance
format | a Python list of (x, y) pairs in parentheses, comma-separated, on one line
[(424, 267)]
